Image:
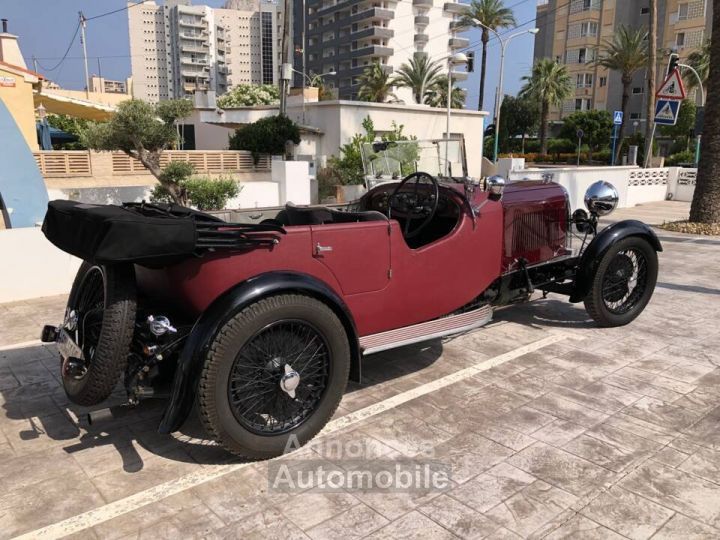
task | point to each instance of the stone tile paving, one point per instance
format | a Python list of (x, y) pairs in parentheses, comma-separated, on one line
[(609, 433)]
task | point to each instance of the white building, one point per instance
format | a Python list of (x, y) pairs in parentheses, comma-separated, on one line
[(178, 49), (347, 36)]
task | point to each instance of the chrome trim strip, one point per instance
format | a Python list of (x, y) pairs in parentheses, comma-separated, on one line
[(425, 337)]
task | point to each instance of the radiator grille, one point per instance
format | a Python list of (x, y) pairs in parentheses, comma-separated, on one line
[(535, 230)]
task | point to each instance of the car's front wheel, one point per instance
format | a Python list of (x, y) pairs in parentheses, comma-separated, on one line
[(623, 282), (274, 375)]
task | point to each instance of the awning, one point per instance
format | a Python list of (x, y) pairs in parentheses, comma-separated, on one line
[(57, 135), (78, 108)]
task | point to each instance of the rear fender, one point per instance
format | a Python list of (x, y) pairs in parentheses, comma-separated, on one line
[(222, 310), (593, 254)]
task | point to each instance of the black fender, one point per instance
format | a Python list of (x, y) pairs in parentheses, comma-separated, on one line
[(198, 343), (590, 258)]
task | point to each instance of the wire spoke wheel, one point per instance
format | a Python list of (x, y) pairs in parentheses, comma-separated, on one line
[(625, 281), (279, 377), (89, 310)]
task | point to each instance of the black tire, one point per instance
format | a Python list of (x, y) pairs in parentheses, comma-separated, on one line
[(227, 421), (107, 351), (612, 301)]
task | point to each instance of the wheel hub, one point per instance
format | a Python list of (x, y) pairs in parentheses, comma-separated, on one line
[(290, 381)]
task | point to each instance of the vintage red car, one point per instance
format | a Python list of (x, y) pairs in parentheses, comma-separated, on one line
[(261, 325)]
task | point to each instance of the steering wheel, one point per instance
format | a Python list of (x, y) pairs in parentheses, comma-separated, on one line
[(414, 205)]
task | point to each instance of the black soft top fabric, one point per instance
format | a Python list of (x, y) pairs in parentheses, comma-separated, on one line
[(144, 234)]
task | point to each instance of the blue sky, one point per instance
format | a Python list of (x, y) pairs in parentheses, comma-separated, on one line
[(45, 28)]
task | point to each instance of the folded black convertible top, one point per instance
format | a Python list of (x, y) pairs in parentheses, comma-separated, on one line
[(148, 234)]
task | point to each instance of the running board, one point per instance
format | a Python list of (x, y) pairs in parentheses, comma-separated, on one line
[(436, 328)]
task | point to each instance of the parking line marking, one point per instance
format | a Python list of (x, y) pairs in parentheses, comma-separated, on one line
[(21, 345), (157, 493)]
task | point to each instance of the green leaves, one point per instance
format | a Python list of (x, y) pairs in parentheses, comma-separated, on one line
[(549, 83), (596, 126), (266, 136), (626, 53), (418, 75), (375, 84)]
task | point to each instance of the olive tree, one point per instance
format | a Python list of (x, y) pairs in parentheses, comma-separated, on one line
[(142, 130)]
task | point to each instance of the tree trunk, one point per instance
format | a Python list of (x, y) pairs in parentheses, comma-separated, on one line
[(522, 142), (151, 161), (652, 61), (706, 200), (483, 65), (544, 117), (623, 108)]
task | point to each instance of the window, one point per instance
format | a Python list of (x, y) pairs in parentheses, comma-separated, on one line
[(638, 90), (680, 39), (634, 116), (682, 12), (644, 10), (603, 81), (588, 29), (584, 80), (582, 104), (267, 48)]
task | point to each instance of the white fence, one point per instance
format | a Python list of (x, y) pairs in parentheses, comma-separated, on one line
[(634, 185)]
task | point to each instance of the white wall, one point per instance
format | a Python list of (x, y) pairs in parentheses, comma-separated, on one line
[(339, 121), (32, 267)]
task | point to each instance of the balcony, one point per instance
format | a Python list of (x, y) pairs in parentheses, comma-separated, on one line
[(359, 70), (422, 20), (372, 32), (194, 74), (372, 50), (194, 37), (371, 14), (458, 43), (423, 3), (191, 23), (458, 26), (454, 7), (421, 39), (194, 48)]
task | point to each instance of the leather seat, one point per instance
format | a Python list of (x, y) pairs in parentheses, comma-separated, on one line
[(319, 215)]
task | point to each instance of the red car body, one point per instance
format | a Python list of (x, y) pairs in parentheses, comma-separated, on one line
[(385, 283)]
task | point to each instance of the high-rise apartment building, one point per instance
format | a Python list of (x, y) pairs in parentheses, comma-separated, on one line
[(574, 33), (346, 36), (178, 49)]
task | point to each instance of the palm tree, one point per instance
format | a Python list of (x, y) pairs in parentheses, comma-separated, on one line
[(492, 14), (418, 75), (375, 84), (705, 206), (626, 53), (700, 61), (437, 94), (549, 85)]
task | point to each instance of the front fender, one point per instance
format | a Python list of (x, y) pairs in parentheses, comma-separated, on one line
[(198, 343), (593, 254)]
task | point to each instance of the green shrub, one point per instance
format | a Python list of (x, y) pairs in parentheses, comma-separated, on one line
[(266, 136), (532, 146), (202, 192), (687, 156)]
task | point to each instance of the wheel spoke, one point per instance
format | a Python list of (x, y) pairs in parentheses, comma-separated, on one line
[(257, 399)]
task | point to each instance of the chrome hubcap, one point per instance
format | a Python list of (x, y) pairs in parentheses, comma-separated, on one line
[(290, 381)]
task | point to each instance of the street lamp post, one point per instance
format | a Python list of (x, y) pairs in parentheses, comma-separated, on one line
[(307, 78), (702, 103), (456, 59), (498, 90)]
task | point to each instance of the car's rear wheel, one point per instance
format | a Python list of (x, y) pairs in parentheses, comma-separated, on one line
[(623, 283), (100, 318), (274, 375)]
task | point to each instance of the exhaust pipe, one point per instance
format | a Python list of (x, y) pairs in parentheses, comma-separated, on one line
[(101, 416)]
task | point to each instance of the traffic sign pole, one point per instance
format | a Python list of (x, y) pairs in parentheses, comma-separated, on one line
[(614, 138)]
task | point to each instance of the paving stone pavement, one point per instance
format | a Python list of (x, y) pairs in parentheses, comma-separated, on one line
[(607, 433)]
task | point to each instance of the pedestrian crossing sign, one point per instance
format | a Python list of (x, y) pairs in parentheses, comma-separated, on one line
[(618, 118), (666, 112)]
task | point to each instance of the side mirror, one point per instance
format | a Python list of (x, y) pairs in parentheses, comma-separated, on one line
[(601, 198), (495, 187)]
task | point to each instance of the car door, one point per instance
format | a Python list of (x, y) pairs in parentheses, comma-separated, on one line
[(358, 254)]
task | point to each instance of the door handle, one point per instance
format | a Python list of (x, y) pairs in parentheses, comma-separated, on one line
[(320, 249)]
